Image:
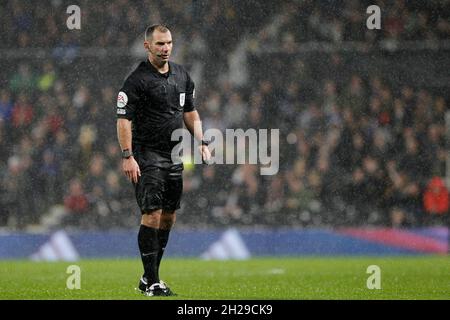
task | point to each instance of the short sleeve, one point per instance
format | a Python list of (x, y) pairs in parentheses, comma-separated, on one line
[(190, 95), (127, 100)]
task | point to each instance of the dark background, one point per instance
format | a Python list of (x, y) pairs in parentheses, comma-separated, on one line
[(361, 112)]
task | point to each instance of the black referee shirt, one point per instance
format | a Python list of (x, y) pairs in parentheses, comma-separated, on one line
[(155, 104)]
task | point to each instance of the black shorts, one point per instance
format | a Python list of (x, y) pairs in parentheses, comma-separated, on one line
[(160, 185)]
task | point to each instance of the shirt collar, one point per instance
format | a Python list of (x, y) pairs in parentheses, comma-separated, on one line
[(153, 69)]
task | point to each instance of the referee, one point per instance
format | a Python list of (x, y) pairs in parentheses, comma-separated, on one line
[(155, 100)]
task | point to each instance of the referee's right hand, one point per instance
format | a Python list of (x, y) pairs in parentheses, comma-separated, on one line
[(131, 169)]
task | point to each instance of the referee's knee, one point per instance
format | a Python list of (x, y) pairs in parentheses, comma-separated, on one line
[(167, 219), (151, 218)]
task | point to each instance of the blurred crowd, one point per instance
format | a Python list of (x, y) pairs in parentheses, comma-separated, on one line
[(110, 23), (354, 149)]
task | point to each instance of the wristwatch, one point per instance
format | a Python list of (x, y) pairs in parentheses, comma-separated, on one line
[(126, 154), (205, 142)]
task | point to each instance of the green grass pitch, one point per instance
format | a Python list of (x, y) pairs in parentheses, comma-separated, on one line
[(259, 278)]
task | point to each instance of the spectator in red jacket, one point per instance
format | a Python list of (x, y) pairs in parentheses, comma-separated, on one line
[(436, 201), (22, 113), (77, 204)]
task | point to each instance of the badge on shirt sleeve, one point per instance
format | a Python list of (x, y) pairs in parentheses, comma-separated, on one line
[(182, 99), (122, 99)]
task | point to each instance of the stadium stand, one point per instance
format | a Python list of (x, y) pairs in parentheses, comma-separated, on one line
[(361, 112)]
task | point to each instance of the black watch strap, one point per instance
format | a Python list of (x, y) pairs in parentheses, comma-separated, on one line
[(126, 153), (205, 142)]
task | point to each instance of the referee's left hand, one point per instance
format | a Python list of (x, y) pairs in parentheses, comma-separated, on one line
[(206, 154)]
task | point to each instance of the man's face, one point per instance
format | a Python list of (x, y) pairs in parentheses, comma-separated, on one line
[(159, 46)]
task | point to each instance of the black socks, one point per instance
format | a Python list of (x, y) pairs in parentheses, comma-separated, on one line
[(152, 243), (163, 237), (149, 248)]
